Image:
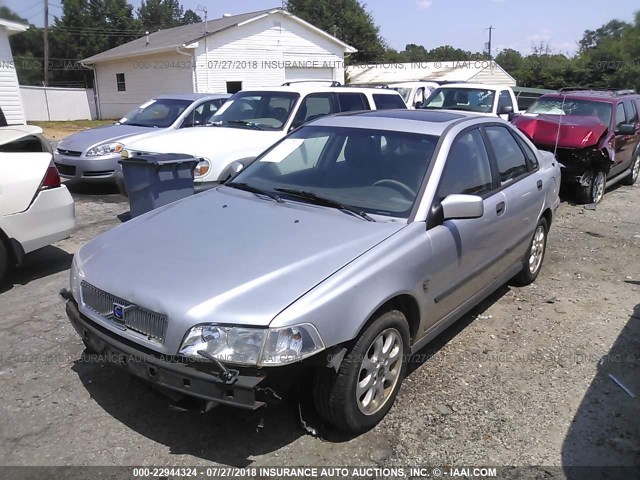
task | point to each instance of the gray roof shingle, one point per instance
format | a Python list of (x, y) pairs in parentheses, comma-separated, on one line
[(171, 38)]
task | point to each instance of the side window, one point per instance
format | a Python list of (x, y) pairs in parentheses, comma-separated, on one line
[(530, 154), (504, 100), (467, 169), (620, 115), (509, 156), (386, 102), (314, 106), (352, 102), (632, 113), (120, 83)]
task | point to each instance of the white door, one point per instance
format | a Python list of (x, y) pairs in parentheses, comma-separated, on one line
[(293, 74)]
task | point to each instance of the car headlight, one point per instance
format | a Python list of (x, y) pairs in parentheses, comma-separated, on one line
[(104, 149), (253, 346), (75, 278), (202, 167)]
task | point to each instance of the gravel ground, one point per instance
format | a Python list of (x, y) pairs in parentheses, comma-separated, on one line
[(522, 380)]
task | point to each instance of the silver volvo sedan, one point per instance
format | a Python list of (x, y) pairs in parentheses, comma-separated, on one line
[(336, 254)]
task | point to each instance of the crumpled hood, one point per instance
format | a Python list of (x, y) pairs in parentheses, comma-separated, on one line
[(576, 131), (225, 256), (220, 145), (86, 139)]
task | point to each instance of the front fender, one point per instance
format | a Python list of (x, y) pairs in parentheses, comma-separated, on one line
[(341, 305)]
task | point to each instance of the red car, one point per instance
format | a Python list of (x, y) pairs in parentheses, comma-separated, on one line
[(597, 135)]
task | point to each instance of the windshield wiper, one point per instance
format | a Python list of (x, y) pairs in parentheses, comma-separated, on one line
[(241, 123), (249, 188), (327, 202)]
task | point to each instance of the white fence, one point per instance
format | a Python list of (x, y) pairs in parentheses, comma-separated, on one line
[(54, 103)]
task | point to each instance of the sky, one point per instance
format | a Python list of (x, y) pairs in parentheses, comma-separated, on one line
[(460, 23)]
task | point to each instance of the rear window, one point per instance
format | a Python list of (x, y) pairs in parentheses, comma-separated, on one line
[(386, 102), (352, 102)]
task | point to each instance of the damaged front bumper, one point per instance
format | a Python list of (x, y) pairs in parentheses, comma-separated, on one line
[(579, 165), (247, 388)]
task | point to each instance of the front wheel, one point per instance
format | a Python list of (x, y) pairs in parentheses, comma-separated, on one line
[(532, 261), (634, 170), (363, 390), (593, 192)]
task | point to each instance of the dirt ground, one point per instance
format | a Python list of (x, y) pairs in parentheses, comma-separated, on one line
[(522, 380), (56, 131)]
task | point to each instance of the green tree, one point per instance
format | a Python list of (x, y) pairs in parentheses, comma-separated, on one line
[(347, 20), (509, 59), (159, 14)]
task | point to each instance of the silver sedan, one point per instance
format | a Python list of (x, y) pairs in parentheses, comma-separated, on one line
[(339, 252)]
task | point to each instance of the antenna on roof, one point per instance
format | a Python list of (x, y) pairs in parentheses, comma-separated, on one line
[(555, 148)]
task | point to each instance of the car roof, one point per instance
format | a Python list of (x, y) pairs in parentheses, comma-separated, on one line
[(194, 96), (428, 122), (475, 85), (594, 95), (304, 88)]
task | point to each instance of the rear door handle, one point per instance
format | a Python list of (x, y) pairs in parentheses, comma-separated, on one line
[(539, 184), (500, 208)]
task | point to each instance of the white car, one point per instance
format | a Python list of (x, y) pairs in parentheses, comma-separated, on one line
[(35, 209), (253, 120), (414, 93), (498, 100)]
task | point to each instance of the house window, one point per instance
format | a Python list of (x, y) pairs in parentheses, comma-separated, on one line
[(120, 82), (233, 87)]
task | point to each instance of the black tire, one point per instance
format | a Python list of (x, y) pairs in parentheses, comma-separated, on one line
[(334, 394), (528, 274), (592, 193), (4, 261), (634, 170)]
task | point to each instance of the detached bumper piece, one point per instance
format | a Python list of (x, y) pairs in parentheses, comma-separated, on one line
[(202, 380)]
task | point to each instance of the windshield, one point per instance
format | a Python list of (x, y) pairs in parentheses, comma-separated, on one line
[(555, 106), (374, 171), (157, 113), (404, 92), (265, 110), (467, 99)]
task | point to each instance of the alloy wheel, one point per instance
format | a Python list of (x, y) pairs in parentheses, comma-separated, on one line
[(537, 249), (599, 182), (379, 371)]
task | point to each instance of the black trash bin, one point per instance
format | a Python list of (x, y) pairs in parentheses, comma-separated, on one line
[(152, 181)]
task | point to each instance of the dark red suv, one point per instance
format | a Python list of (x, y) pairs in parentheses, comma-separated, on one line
[(597, 134)]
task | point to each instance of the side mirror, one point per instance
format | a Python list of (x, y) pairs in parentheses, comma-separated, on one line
[(505, 110), (459, 206), (418, 104), (626, 129)]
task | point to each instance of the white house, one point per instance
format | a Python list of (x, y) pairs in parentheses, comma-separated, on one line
[(228, 54), (475, 71), (10, 100)]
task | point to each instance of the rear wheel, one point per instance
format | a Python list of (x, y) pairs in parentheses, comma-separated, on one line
[(4, 261), (634, 171), (593, 192), (532, 261), (364, 389)]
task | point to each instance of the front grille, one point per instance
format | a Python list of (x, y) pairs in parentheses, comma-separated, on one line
[(70, 153), (136, 318), (66, 169)]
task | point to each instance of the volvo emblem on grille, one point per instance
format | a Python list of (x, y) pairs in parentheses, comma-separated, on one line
[(119, 311)]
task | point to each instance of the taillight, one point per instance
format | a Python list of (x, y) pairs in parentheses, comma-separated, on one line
[(51, 178)]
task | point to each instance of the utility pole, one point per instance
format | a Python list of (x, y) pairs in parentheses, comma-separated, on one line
[(491, 28), (46, 43)]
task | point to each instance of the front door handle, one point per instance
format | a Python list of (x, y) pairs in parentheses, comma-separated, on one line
[(500, 208), (539, 184)]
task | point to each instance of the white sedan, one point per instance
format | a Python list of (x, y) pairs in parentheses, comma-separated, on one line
[(35, 209)]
